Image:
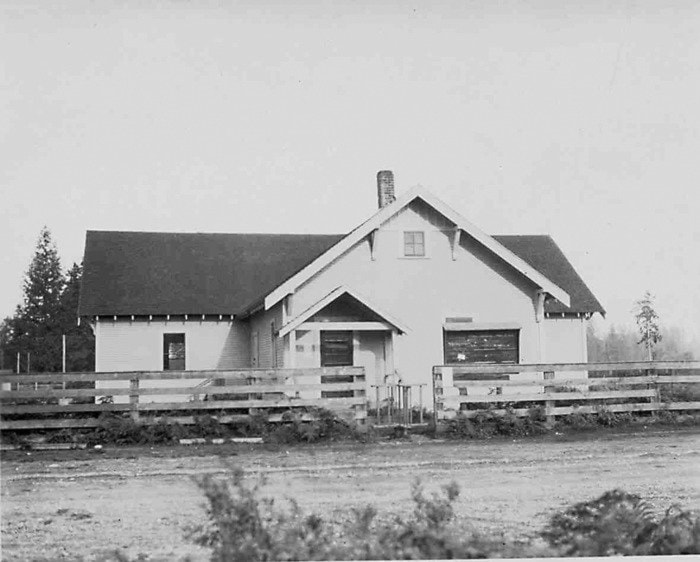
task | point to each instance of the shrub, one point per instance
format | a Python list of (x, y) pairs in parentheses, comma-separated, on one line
[(123, 430), (326, 426), (487, 424), (118, 430), (579, 421), (622, 524), (243, 526), (207, 426), (679, 392)]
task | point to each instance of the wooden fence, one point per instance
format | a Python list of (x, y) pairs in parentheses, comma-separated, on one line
[(53, 400), (565, 389)]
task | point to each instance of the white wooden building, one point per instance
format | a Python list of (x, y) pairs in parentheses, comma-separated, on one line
[(415, 285)]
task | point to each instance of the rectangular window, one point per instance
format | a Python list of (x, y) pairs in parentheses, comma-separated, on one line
[(482, 346), (336, 348), (173, 352), (414, 243)]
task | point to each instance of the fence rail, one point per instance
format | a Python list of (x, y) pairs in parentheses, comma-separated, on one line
[(565, 389), (231, 395)]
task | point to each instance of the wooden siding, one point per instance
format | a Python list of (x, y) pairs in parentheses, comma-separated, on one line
[(424, 292), (261, 322), (564, 340)]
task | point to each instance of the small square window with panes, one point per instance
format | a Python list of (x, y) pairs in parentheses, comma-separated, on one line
[(414, 243)]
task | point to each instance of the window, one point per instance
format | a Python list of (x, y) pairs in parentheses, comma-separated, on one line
[(336, 348), (173, 352), (482, 346), (414, 243)]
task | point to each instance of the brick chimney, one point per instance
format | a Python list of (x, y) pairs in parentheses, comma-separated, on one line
[(385, 188)]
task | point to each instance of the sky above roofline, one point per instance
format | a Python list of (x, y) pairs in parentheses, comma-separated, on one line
[(527, 118)]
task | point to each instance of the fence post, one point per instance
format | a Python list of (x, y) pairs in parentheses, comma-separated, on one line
[(420, 404), (377, 414), (549, 404), (436, 405), (134, 399), (656, 399), (361, 407)]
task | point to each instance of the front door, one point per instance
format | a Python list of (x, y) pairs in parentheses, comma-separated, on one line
[(337, 350)]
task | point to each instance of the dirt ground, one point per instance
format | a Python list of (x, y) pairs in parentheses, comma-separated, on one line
[(67, 505)]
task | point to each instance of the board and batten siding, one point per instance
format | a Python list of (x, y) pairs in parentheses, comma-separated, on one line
[(422, 292), (137, 345)]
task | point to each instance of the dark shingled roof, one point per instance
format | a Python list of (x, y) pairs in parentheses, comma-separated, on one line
[(542, 253), (177, 273)]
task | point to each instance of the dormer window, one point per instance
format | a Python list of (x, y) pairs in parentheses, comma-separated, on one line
[(414, 243)]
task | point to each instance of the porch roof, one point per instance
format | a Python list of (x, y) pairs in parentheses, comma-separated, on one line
[(295, 322)]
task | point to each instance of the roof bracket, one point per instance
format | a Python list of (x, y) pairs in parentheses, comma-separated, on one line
[(539, 305), (373, 244), (455, 242)]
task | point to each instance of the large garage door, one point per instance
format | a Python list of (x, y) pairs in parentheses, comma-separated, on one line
[(484, 346)]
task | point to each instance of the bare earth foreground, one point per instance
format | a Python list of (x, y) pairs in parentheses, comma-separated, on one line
[(72, 505)]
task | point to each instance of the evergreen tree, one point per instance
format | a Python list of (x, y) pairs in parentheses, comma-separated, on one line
[(648, 324), (6, 356), (49, 311), (80, 340), (34, 331)]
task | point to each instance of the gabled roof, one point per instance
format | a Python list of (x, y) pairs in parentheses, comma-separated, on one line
[(542, 253), (329, 298), (129, 273), (343, 245), (143, 273)]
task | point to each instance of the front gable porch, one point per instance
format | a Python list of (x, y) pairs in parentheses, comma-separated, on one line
[(343, 329)]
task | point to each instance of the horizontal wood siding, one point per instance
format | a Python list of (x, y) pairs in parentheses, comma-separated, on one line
[(564, 340), (268, 353), (138, 345)]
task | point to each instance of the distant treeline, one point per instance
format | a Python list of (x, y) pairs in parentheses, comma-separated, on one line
[(621, 343)]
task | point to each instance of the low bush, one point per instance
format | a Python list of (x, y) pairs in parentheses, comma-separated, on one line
[(243, 526), (679, 392), (326, 426), (487, 424), (622, 524), (121, 429)]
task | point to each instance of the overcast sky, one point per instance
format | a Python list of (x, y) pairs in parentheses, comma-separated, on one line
[(577, 119)]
